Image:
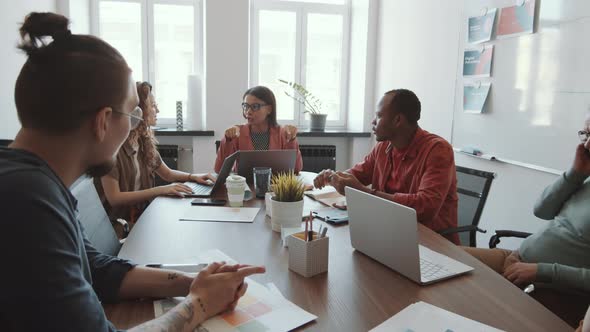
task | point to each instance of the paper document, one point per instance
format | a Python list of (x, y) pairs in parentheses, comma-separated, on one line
[(327, 196), (424, 317), (216, 213), (260, 309)]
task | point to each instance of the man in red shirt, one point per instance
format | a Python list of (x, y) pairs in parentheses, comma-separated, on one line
[(409, 165)]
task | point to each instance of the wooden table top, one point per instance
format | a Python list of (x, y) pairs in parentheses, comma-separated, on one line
[(356, 294)]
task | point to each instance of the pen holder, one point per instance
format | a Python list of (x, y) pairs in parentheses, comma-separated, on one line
[(308, 258)]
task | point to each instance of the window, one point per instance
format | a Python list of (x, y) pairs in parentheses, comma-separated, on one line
[(160, 39), (304, 41)]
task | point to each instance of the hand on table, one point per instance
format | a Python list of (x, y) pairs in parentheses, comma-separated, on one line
[(521, 274), (323, 178), (174, 189), (218, 287), (340, 180), (207, 179)]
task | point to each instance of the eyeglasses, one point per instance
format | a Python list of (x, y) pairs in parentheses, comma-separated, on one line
[(255, 107), (583, 135), (135, 117)]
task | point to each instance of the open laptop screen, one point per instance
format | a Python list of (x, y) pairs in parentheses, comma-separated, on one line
[(277, 160)]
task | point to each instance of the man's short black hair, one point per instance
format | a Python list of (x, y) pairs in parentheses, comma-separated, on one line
[(407, 103)]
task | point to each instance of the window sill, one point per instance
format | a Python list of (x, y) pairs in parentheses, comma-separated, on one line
[(182, 132), (332, 133)]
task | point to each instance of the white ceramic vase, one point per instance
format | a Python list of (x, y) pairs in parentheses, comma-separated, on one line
[(286, 214)]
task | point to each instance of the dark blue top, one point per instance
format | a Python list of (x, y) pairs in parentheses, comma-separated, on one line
[(52, 278)]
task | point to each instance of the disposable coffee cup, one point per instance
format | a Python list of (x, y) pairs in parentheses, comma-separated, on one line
[(236, 187)]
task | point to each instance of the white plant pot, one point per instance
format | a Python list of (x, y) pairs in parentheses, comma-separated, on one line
[(285, 214)]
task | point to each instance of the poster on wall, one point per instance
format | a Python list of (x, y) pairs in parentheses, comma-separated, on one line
[(517, 20), (475, 96), (481, 27), (478, 62)]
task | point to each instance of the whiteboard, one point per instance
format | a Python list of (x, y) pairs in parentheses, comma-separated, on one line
[(540, 87)]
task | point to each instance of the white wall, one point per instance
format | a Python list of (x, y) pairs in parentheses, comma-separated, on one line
[(79, 13), (12, 13), (226, 73), (414, 51), (418, 48)]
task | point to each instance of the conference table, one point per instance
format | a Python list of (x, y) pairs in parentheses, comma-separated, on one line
[(356, 294)]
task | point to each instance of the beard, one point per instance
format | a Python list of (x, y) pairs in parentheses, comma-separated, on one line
[(101, 170)]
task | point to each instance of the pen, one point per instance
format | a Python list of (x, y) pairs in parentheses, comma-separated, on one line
[(306, 236), (310, 226), (189, 268)]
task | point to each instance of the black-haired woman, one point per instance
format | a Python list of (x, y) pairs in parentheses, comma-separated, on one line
[(262, 132)]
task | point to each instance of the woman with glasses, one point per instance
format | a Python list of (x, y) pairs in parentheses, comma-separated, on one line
[(261, 132), (130, 186)]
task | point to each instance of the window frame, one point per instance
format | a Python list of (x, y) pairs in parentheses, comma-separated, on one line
[(302, 10), (148, 38)]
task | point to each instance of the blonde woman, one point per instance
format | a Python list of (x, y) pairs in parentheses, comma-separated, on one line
[(130, 186)]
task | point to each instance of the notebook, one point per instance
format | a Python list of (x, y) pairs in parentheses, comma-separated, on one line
[(327, 196)]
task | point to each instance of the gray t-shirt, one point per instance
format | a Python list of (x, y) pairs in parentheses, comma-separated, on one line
[(562, 247), (52, 278)]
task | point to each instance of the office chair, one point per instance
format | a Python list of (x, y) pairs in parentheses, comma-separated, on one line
[(500, 233), (94, 219), (5, 142), (473, 187)]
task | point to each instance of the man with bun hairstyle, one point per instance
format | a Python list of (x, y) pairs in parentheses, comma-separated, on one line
[(76, 101)]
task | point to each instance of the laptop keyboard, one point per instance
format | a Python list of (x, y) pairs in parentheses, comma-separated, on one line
[(199, 189), (431, 271)]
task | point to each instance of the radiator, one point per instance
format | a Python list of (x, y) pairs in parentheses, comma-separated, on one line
[(318, 157), (169, 154)]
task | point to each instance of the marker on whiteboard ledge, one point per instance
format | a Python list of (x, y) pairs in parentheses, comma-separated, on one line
[(471, 150)]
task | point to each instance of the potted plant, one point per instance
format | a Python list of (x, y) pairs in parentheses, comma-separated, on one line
[(287, 201), (312, 105)]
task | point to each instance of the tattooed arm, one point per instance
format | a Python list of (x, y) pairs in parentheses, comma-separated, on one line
[(215, 289), (148, 282), (184, 317)]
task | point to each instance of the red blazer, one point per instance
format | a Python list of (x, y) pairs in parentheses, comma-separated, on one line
[(277, 141)]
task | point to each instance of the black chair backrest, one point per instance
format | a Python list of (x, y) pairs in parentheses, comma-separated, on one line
[(5, 142), (473, 187), (94, 219)]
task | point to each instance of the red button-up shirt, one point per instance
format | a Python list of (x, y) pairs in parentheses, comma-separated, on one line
[(421, 176)]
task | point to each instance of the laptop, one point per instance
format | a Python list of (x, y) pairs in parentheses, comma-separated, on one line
[(388, 232), (278, 160), (201, 190)]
